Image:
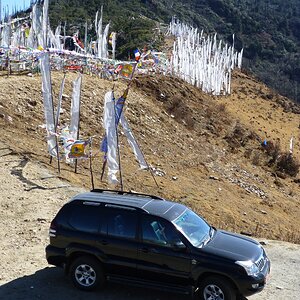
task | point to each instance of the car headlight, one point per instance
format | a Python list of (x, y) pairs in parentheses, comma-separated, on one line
[(249, 266)]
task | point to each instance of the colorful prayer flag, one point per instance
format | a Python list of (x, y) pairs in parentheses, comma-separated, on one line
[(137, 54), (118, 69), (126, 70), (78, 150)]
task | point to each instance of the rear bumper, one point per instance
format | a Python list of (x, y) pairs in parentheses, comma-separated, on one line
[(55, 256)]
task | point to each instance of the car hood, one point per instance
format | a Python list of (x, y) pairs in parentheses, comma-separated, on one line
[(233, 246)]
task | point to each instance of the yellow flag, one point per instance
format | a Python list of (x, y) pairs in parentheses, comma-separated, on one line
[(27, 31), (78, 150), (126, 70)]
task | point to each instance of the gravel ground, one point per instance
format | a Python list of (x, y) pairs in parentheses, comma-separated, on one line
[(30, 197)]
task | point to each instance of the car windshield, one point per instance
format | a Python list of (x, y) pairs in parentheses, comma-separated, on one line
[(194, 228)]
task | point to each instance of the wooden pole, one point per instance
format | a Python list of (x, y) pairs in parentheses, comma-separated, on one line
[(19, 57), (118, 149), (103, 167), (78, 123), (91, 167), (151, 172), (57, 154), (8, 63)]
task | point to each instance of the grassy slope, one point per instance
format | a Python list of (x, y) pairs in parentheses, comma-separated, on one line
[(182, 132)]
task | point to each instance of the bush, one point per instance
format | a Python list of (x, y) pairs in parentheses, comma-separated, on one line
[(247, 153), (288, 164), (273, 150), (181, 112), (256, 160), (239, 136)]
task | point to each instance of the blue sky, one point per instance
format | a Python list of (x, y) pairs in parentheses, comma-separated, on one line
[(11, 4)]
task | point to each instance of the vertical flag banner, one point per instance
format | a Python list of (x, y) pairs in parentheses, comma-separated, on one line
[(45, 23), (112, 42), (133, 143), (291, 145), (113, 115), (110, 142), (118, 107), (59, 101), (48, 103), (75, 107)]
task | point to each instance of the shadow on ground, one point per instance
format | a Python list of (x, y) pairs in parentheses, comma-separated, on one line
[(52, 284)]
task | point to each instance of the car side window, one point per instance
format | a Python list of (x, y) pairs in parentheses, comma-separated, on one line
[(121, 223), (85, 218), (159, 232)]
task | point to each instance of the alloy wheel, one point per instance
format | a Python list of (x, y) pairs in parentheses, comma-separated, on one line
[(213, 292), (85, 275)]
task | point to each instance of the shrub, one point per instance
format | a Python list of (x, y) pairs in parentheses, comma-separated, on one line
[(247, 153), (238, 137), (220, 108), (256, 159), (181, 111), (216, 110), (273, 150), (209, 112), (286, 163)]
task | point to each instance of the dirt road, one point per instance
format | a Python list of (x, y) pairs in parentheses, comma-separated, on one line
[(30, 197)]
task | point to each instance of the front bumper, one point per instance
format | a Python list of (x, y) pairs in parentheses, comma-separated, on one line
[(250, 285)]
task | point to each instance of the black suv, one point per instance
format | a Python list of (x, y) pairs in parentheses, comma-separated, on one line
[(147, 241)]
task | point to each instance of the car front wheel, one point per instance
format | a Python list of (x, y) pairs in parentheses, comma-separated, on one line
[(216, 288), (86, 273)]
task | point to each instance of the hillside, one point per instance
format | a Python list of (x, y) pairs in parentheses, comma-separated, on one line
[(269, 31), (207, 150)]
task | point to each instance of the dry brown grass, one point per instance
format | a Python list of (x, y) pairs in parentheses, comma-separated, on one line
[(189, 145)]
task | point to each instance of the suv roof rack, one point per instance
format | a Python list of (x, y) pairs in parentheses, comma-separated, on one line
[(127, 193)]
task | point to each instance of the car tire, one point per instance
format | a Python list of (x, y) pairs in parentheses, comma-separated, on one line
[(215, 287), (87, 273)]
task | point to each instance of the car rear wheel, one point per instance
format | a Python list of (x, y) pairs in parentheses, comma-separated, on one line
[(86, 273), (216, 288)]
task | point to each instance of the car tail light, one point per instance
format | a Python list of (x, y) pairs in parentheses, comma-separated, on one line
[(52, 229)]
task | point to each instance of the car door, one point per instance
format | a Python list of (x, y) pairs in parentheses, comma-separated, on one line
[(119, 240), (158, 257)]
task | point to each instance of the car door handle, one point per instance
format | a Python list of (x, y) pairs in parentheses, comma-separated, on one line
[(103, 242), (144, 249), (147, 250)]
